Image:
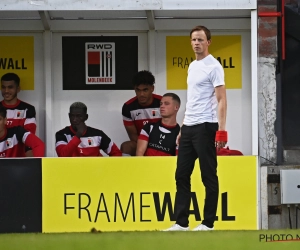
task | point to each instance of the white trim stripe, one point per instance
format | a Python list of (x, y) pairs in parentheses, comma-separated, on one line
[(30, 121), (164, 130), (25, 137), (60, 143), (108, 150), (127, 119), (143, 132)]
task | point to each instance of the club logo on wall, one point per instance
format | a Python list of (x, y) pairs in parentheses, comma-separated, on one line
[(100, 63)]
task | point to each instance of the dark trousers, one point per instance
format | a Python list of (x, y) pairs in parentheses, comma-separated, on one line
[(197, 141)]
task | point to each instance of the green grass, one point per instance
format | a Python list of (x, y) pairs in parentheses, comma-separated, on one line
[(233, 240)]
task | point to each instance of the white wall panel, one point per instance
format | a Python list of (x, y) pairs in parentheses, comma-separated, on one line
[(213, 24), (99, 25), (21, 26)]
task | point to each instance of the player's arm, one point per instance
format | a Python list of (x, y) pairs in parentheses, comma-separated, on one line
[(141, 147), (129, 124), (222, 106), (32, 141), (36, 144), (108, 146), (222, 109), (63, 148), (30, 121), (132, 133), (143, 140), (114, 150), (217, 78)]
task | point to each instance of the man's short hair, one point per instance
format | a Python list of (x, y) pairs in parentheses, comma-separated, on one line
[(11, 77), (79, 105), (199, 28), (143, 77), (174, 97), (2, 111)]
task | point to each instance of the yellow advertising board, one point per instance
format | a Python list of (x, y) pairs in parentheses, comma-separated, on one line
[(17, 56), (137, 193), (226, 49)]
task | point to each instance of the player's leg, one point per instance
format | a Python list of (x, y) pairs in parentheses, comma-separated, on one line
[(128, 148)]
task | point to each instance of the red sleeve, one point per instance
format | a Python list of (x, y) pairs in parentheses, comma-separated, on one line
[(145, 132), (115, 151), (36, 144), (64, 150), (128, 123), (143, 137), (31, 127)]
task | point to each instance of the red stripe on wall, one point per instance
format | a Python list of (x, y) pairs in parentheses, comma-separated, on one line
[(93, 58)]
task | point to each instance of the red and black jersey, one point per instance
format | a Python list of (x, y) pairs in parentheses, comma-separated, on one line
[(20, 114), (13, 143), (69, 145), (161, 139), (138, 115)]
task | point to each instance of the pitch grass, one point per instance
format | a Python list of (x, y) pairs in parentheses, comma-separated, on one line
[(233, 240)]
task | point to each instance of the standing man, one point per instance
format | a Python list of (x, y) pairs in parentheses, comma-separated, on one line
[(159, 139), (140, 110), (202, 131), (19, 113)]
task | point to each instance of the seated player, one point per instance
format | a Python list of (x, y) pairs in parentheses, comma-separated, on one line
[(18, 113), (13, 140), (81, 140), (139, 110), (159, 139)]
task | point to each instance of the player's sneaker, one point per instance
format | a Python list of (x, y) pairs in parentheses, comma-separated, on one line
[(176, 227), (202, 227)]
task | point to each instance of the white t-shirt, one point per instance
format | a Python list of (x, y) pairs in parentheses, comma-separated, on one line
[(203, 76)]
